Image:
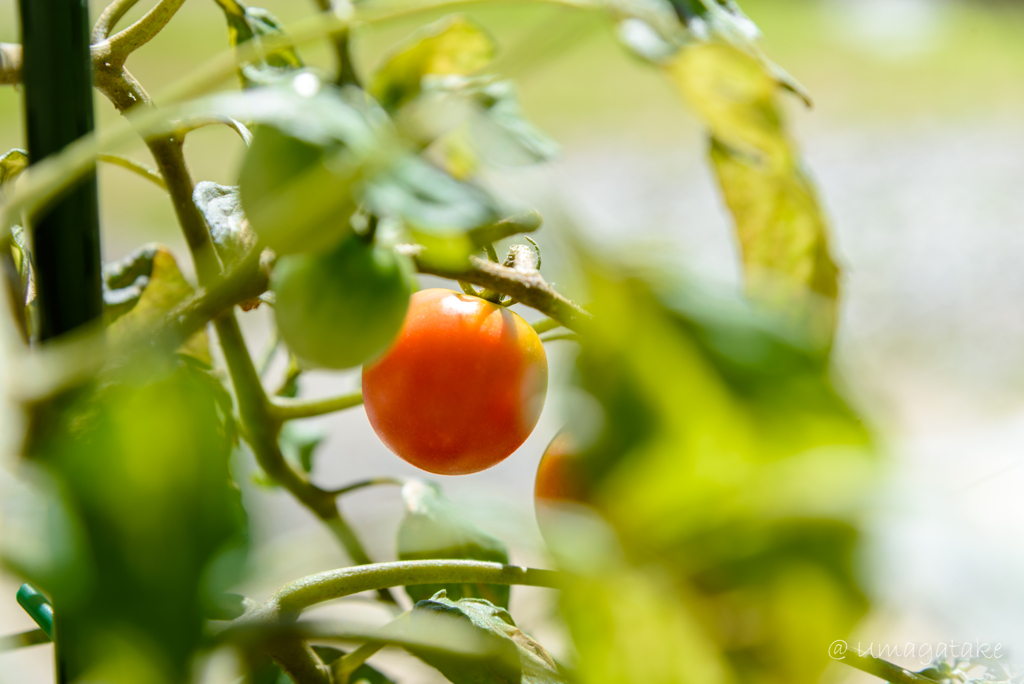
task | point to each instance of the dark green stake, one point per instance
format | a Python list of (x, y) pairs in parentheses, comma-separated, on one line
[(57, 78)]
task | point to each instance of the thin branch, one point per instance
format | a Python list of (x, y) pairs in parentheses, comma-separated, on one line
[(344, 667), (505, 228), (283, 408), (555, 337), (195, 122), (30, 638), (301, 594), (150, 174), (113, 13), (298, 660), (340, 41), (371, 482), (527, 287), (10, 63), (115, 50), (544, 325), (884, 669)]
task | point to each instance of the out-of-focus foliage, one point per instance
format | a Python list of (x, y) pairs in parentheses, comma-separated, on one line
[(142, 466), (452, 47), (252, 24), (732, 474), (506, 654), (432, 527)]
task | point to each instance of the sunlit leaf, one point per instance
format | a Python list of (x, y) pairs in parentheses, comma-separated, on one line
[(232, 237), (12, 163), (140, 290), (781, 227), (507, 655), (252, 24), (452, 46), (432, 527), (782, 233)]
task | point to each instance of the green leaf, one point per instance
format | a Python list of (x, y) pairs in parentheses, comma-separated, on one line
[(298, 196), (232, 237), (141, 459), (782, 231), (140, 290), (433, 528), (299, 443), (505, 655), (454, 46), (492, 118), (428, 199), (726, 460), (12, 163), (252, 24)]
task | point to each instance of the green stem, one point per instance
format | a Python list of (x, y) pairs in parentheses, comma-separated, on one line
[(262, 432), (298, 660), (334, 584), (545, 324), (370, 482), (152, 175), (883, 669), (29, 638), (113, 13), (347, 664), (554, 337), (283, 408), (340, 40), (115, 50)]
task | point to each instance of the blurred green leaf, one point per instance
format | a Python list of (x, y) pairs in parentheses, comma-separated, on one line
[(142, 463), (299, 443), (453, 46), (252, 24), (232, 237), (428, 199), (491, 113), (12, 163), (506, 655), (140, 290), (781, 227), (730, 466), (295, 199), (433, 528), (22, 258)]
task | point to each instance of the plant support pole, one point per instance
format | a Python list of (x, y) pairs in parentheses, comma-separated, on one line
[(57, 79), (56, 74)]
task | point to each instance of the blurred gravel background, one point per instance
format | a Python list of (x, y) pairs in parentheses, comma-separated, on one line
[(917, 141)]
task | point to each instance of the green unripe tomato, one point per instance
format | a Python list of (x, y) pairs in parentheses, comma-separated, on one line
[(341, 308)]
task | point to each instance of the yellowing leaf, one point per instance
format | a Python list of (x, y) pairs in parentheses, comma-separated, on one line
[(781, 228), (160, 291), (452, 47), (783, 235)]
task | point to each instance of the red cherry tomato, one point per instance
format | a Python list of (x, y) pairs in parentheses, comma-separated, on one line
[(560, 477), (461, 387)]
